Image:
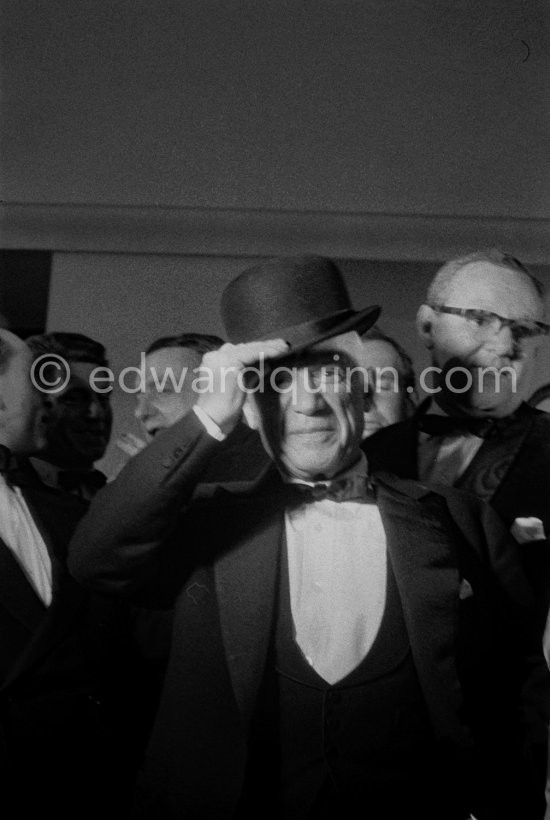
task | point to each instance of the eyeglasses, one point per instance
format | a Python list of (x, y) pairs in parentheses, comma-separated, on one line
[(484, 324)]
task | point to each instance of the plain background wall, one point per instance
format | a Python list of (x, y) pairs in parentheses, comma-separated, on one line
[(388, 106)]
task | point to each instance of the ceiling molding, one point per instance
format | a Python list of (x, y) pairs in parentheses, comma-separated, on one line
[(249, 232)]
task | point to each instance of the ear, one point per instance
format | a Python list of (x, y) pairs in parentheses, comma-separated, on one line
[(250, 413), (424, 324)]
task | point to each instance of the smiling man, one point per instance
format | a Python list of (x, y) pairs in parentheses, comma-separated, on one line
[(170, 365), (483, 323), (166, 393), (61, 716), (79, 417), (315, 666)]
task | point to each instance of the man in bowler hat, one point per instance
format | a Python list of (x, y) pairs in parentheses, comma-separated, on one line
[(338, 638)]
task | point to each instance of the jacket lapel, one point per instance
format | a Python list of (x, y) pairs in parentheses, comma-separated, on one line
[(246, 583), (16, 593), (486, 474), (428, 580), (52, 623), (56, 515), (425, 567), (55, 622), (394, 449)]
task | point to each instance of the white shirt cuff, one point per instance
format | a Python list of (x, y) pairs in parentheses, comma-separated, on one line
[(210, 426)]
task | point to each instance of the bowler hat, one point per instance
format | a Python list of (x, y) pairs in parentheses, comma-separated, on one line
[(301, 299)]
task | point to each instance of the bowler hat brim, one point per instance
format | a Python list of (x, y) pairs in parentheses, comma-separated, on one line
[(301, 337), (301, 299)]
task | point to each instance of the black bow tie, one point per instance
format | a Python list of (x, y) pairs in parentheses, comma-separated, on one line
[(70, 480), (435, 425), (16, 473), (354, 488), (6, 459)]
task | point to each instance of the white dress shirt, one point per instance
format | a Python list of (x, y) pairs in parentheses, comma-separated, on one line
[(337, 573), (21, 535)]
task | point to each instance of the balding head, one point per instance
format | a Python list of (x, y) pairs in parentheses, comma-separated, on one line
[(483, 323)]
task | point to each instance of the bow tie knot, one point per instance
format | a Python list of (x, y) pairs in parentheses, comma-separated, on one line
[(6, 460), (16, 472), (353, 488), (435, 425)]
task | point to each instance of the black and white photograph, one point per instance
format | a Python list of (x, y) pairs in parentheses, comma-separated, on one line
[(275, 409)]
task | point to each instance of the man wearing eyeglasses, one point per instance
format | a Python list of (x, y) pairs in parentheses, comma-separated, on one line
[(483, 324)]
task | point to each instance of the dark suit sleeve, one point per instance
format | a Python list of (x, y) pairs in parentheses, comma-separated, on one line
[(127, 541)]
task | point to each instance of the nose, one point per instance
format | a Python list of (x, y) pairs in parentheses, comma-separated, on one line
[(503, 343), (369, 399), (143, 407), (306, 397), (95, 409)]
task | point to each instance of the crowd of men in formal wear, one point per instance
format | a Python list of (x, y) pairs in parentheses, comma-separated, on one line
[(307, 594)]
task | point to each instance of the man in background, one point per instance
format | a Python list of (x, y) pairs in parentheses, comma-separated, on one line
[(79, 417), (65, 747), (390, 388), (482, 322), (172, 364), (167, 393)]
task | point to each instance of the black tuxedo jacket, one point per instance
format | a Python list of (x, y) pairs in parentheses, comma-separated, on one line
[(218, 559), (61, 673), (510, 471)]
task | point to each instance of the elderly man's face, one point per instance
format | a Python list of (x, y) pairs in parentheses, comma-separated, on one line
[(311, 414), (494, 372)]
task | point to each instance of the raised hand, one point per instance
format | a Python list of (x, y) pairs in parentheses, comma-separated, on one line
[(224, 371)]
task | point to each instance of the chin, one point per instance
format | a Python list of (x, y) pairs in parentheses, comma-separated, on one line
[(309, 465), (490, 404), (372, 427), (309, 468)]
